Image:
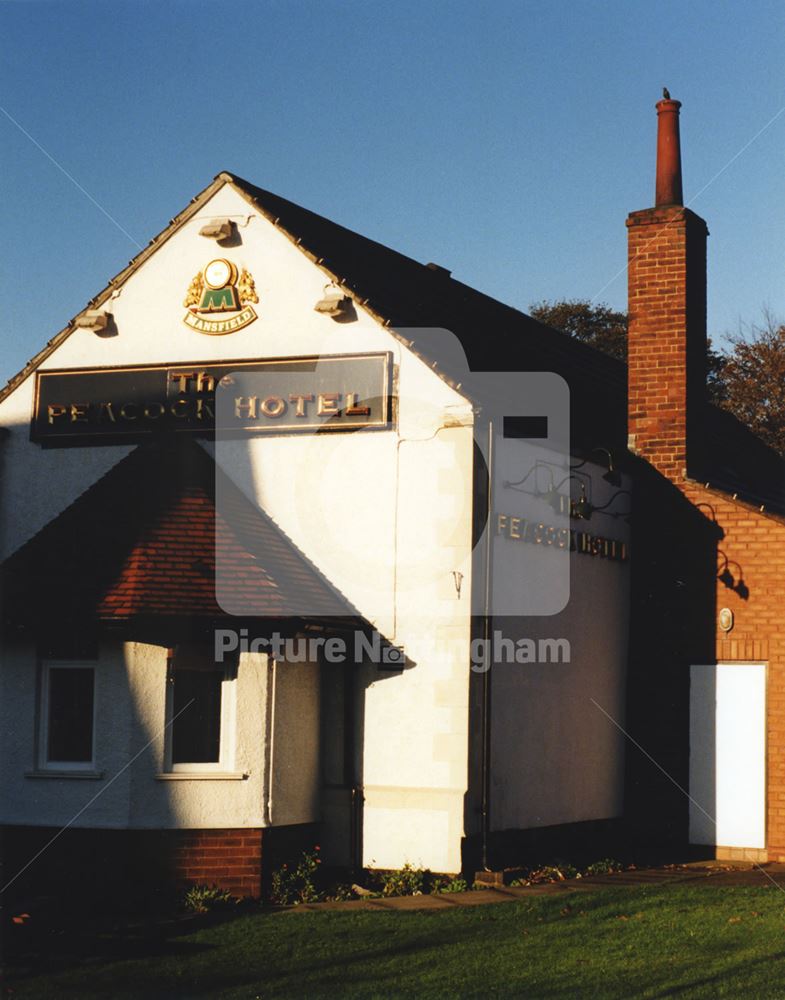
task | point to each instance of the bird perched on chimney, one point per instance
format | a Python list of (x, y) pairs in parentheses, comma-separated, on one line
[(666, 93)]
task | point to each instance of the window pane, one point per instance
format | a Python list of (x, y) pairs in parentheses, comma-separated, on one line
[(70, 714), (196, 730)]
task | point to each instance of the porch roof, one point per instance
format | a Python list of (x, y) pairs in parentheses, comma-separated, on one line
[(145, 539)]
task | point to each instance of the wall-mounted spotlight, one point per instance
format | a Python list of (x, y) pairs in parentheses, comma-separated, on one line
[(218, 229), (334, 302), (611, 475), (582, 508), (95, 320)]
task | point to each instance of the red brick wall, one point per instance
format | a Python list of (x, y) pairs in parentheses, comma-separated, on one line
[(115, 868), (754, 544), (666, 381), (667, 334), (230, 859)]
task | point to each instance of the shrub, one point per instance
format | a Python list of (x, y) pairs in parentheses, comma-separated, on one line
[(450, 885), (296, 885), (604, 867), (407, 881)]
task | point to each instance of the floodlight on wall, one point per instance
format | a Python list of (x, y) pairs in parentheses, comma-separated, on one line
[(611, 475), (582, 508), (334, 301), (550, 494), (95, 320), (218, 229)]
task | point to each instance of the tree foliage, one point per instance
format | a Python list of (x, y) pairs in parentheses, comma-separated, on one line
[(596, 325), (753, 379), (747, 379)]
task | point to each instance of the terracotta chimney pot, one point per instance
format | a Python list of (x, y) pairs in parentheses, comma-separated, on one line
[(668, 191)]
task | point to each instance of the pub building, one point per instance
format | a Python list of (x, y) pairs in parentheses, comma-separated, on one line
[(251, 444)]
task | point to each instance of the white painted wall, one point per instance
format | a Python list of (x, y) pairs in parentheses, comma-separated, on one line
[(728, 755), (385, 515), (557, 758), (51, 801), (129, 750)]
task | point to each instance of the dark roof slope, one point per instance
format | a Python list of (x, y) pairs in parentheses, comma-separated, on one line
[(737, 461), (495, 337), (404, 293)]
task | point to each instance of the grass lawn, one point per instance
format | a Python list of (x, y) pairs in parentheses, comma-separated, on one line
[(698, 941)]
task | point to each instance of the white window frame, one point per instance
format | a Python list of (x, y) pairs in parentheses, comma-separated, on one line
[(44, 763), (228, 724)]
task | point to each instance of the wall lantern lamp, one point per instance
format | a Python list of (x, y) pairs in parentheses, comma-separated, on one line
[(334, 302), (218, 229), (95, 320)]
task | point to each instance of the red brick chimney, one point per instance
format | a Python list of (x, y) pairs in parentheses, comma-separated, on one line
[(667, 314)]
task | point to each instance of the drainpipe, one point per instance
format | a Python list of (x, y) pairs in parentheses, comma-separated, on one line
[(272, 675), (485, 807)]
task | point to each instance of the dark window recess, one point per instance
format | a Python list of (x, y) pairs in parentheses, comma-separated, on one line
[(78, 644), (525, 427), (196, 729), (70, 715)]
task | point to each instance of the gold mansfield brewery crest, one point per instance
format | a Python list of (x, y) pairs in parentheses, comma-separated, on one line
[(217, 289)]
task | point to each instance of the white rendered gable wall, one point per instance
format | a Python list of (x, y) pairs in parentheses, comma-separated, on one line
[(357, 504)]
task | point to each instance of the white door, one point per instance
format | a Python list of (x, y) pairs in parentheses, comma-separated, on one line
[(728, 755)]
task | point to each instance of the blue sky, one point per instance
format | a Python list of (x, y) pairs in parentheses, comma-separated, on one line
[(504, 140)]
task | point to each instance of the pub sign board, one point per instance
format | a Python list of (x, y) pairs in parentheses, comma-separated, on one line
[(345, 392)]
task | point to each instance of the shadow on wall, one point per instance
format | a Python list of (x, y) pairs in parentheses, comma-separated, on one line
[(673, 625)]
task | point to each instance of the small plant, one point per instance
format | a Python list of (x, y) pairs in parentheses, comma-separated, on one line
[(340, 894), (407, 881), (450, 885), (559, 872), (296, 885), (552, 873), (604, 867), (203, 898)]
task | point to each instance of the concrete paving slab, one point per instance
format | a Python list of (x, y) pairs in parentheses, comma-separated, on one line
[(701, 873)]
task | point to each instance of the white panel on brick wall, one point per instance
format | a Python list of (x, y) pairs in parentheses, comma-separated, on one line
[(728, 755)]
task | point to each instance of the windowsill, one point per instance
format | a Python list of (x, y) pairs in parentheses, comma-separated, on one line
[(202, 776), (53, 773)]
